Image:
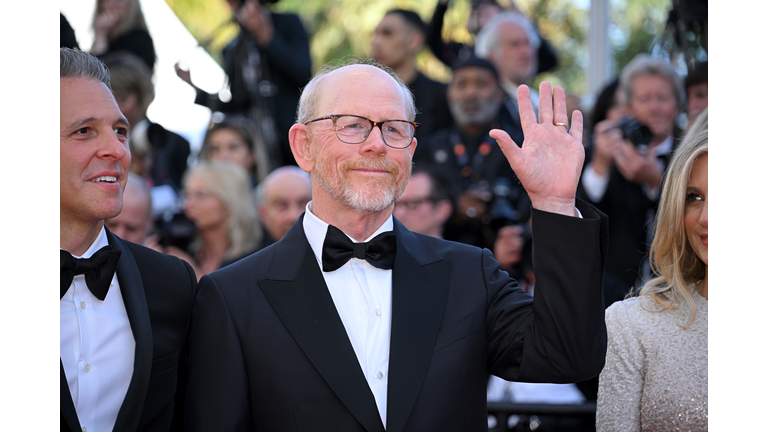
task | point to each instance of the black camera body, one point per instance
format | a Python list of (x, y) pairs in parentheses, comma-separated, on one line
[(635, 132)]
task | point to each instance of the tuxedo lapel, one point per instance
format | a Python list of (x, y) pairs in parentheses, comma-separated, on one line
[(67, 407), (132, 289), (420, 281), (298, 294)]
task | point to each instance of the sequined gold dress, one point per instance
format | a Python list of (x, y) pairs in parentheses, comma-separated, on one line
[(655, 375)]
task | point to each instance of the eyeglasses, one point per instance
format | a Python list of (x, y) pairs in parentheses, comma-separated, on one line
[(354, 129), (413, 204)]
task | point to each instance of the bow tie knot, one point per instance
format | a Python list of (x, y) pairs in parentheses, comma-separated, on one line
[(338, 249), (98, 270)]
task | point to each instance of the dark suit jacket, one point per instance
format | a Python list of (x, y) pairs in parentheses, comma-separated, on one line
[(268, 351), (158, 291)]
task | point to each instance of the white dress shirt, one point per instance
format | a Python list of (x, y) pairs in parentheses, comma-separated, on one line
[(96, 348), (362, 294)]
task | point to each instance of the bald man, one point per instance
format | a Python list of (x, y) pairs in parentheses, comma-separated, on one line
[(134, 222), (280, 199), (351, 322)]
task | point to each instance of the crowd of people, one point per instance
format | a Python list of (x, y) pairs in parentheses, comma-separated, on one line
[(238, 232)]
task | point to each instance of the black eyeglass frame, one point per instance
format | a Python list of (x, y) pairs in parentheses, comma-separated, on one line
[(374, 124)]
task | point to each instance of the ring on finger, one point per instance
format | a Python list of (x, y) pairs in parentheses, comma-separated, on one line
[(562, 124)]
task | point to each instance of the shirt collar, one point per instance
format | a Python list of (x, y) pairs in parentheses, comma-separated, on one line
[(98, 243), (315, 229)]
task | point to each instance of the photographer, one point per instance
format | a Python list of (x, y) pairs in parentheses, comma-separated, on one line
[(626, 166), (266, 65)]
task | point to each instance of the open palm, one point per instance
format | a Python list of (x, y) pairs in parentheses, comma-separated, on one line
[(549, 162)]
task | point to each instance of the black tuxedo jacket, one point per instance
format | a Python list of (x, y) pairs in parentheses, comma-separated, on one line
[(268, 351), (158, 291)]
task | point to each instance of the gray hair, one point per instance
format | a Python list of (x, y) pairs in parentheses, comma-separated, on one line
[(643, 64), (74, 63), (310, 95), (488, 38), (261, 189)]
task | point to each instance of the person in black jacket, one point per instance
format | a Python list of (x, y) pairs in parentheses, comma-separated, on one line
[(267, 64), (124, 309)]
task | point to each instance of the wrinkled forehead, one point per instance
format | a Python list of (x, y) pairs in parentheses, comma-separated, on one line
[(350, 89)]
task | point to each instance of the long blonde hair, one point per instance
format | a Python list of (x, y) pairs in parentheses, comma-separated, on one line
[(671, 256), (134, 18), (228, 181)]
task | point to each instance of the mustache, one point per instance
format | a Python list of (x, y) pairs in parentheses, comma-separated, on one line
[(379, 163)]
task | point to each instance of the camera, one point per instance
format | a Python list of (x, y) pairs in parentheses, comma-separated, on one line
[(635, 132)]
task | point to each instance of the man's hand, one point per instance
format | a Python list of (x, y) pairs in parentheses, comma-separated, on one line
[(550, 161), (257, 21), (607, 143), (638, 168)]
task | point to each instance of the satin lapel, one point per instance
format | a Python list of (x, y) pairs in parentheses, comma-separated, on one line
[(420, 282), (307, 310), (68, 412), (132, 289)]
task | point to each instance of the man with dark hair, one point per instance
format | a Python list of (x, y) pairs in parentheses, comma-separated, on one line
[(396, 41), (426, 204), (124, 309), (351, 322)]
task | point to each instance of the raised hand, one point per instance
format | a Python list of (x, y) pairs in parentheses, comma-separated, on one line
[(550, 160)]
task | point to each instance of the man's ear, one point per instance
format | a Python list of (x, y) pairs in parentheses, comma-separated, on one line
[(299, 138)]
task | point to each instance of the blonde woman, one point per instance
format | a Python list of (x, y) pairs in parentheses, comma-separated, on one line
[(118, 25), (217, 199), (655, 376)]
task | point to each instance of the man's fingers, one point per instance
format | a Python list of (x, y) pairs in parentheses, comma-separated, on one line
[(577, 125), (527, 114), (545, 103), (507, 145), (560, 114)]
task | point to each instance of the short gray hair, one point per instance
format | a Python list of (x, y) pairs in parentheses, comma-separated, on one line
[(74, 63), (310, 95), (643, 64), (488, 38)]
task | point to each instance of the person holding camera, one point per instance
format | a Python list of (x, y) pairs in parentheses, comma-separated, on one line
[(628, 159), (266, 65)]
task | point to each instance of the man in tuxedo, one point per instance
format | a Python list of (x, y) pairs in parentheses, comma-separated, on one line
[(124, 309), (320, 332)]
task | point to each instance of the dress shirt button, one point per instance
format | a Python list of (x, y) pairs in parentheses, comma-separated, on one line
[(378, 311), (82, 304), (85, 429), (88, 367), (379, 374)]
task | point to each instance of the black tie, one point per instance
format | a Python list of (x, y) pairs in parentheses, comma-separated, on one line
[(98, 270), (338, 249)]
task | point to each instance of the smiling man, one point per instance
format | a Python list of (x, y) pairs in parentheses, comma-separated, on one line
[(351, 322), (124, 309)]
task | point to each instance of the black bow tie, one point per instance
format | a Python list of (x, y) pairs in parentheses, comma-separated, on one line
[(338, 249), (98, 270)]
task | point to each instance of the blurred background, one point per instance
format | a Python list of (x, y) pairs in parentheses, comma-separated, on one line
[(593, 40)]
